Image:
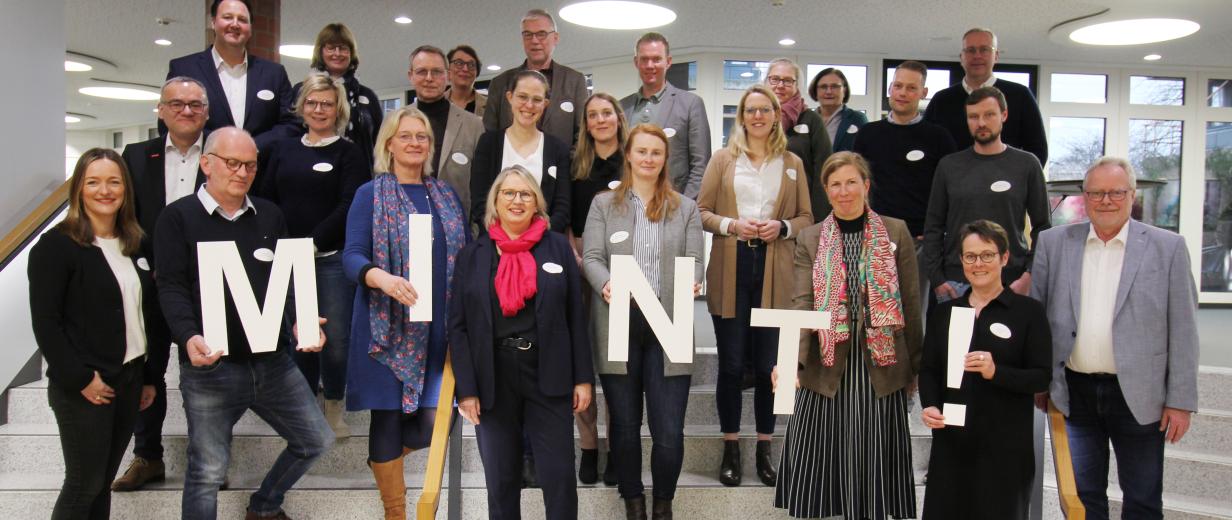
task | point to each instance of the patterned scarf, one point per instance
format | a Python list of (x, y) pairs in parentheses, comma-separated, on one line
[(515, 273), (792, 108), (397, 343), (879, 273)]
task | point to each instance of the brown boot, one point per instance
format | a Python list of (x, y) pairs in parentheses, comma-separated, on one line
[(139, 473), (392, 485)]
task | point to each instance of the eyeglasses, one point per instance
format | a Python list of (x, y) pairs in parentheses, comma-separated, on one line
[(408, 138), (987, 257), (826, 87), (541, 35), (337, 47), (1113, 195), (464, 65), (776, 81), (312, 104), (234, 164), (524, 99), (176, 105), (520, 195), (753, 111), (423, 73), (979, 50)]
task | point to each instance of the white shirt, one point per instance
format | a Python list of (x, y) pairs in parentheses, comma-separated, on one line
[(756, 189), (212, 205), (180, 170), (987, 83), (319, 144), (532, 162), (1101, 276), (130, 294), (234, 85)]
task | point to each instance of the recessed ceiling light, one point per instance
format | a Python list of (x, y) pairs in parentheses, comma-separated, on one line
[(71, 119), (403, 20), (1152, 57), (746, 74), (303, 52), (1134, 32), (787, 42), (125, 93), (494, 67), (617, 14), (162, 41), (76, 66)]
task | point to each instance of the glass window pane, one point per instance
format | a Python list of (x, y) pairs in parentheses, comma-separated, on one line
[(729, 119), (1155, 151), (1219, 93), (683, 75), (1156, 90), (739, 74), (1021, 78), (1079, 88), (937, 80), (857, 77), (1076, 143), (1217, 210)]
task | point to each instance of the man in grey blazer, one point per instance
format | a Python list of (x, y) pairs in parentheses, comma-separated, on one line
[(680, 113), (1121, 299), (568, 90), (456, 131)]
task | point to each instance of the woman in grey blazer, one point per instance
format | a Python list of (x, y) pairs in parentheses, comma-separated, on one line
[(643, 217)]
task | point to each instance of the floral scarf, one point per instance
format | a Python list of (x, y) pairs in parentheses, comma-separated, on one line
[(515, 273)]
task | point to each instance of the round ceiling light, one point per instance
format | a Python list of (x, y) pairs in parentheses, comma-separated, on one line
[(76, 66), (746, 74), (163, 42), (71, 119), (1152, 57), (617, 14), (403, 20), (494, 67), (124, 93), (1134, 32), (303, 52), (787, 42)]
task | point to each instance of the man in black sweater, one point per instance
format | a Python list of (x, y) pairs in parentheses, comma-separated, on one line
[(217, 390), (455, 131), (1023, 129)]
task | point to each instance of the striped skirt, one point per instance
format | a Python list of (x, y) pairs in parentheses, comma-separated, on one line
[(849, 456)]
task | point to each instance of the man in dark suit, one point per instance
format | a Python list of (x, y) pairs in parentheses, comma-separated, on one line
[(566, 95), (163, 170), (248, 92)]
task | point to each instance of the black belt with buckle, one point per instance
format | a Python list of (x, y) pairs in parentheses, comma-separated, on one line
[(754, 243), (516, 343)]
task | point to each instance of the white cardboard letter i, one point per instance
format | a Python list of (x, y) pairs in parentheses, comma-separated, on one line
[(962, 324), (419, 265)]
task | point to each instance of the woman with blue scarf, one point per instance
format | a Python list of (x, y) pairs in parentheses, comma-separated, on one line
[(395, 365)]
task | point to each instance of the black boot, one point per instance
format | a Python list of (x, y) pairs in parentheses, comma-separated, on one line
[(662, 509), (609, 472), (729, 470), (528, 472), (588, 470), (635, 508), (765, 467)]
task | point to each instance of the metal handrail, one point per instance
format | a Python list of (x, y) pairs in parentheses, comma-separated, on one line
[(1067, 488)]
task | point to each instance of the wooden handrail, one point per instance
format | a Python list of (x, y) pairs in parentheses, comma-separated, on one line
[(430, 498), (32, 222), (1067, 488)]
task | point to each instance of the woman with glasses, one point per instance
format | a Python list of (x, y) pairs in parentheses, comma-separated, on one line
[(848, 447), (755, 199), (830, 89), (545, 157), (313, 178), (982, 461), (336, 54), (396, 365), (464, 66), (520, 346), (806, 134)]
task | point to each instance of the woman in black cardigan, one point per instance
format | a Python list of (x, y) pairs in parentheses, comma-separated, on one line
[(94, 309)]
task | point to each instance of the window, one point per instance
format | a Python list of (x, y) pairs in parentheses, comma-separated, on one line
[(739, 75), (729, 120), (1079, 88), (117, 140), (1155, 151), (1155, 90), (151, 133), (937, 80), (1219, 93), (942, 74), (390, 105), (683, 75), (1074, 144), (857, 77), (1217, 209), (1021, 78)]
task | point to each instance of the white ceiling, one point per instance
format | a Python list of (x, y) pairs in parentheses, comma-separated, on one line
[(123, 32)]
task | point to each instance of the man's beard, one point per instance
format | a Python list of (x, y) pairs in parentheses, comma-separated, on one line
[(992, 137)]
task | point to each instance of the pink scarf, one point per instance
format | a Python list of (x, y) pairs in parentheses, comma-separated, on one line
[(515, 274), (791, 111)]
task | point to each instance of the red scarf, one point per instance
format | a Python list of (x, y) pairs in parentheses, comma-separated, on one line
[(515, 274), (791, 111)]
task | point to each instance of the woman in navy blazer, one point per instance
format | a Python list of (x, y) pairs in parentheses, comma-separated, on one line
[(547, 158), (94, 310), (520, 347)]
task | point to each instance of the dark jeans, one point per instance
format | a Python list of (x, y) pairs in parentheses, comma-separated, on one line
[(335, 294), (215, 397), (148, 431), (666, 400), (93, 438), (734, 337), (1098, 414), (548, 423)]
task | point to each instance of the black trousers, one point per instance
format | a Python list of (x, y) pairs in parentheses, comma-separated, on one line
[(93, 438), (548, 423), (148, 431)]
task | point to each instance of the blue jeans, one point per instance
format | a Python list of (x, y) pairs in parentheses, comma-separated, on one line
[(216, 396), (335, 295), (1098, 414), (734, 338), (666, 399)]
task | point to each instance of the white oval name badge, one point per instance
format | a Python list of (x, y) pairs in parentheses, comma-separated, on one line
[(143, 264), (613, 185), (618, 237), (567, 106), (552, 171), (263, 254), (669, 132), (323, 167), (853, 129), (363, 99), (1000, 330), (459, 158), (553, 267), (265, 95), (893, 247), (791, 173), (801, 129), (915, 155), (1000, 186)]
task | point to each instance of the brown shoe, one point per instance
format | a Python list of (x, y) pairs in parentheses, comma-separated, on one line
[(139, 473), (281, 515)]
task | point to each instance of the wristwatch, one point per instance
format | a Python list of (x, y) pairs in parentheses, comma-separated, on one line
[(782, 229)]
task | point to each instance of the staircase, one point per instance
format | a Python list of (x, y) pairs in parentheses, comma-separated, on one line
[(1197, 471)]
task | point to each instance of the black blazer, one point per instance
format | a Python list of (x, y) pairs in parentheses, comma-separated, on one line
[(266, 120), (78, 314), (813, 148), (564, 344), (146, 165), (556, 188)]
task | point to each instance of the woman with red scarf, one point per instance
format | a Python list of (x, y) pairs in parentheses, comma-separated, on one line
[(520, 346), (848, 447), (806, 132)]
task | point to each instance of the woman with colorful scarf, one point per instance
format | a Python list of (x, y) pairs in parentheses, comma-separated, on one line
[(395, 365), (806, 133), (520, 346), (848, 447)]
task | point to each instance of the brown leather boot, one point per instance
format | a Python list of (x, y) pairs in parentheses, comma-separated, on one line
[(139, 473), (392, 485)]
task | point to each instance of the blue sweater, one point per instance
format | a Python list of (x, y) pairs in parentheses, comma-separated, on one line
[(313, 186)]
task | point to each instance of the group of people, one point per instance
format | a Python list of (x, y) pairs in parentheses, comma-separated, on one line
[(532, 190)]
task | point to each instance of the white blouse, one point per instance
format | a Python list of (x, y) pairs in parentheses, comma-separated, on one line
[(532, 162), (130, 293), (757, 188)]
